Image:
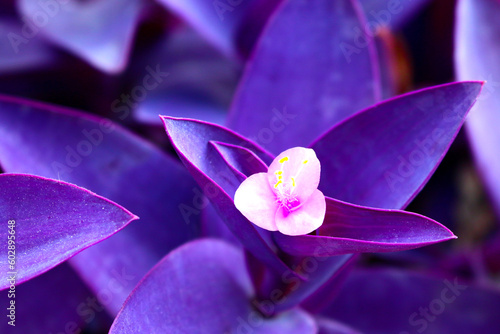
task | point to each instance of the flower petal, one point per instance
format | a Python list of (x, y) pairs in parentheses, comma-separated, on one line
[(349, 228), (477, 56), (398, 145), (300, 82), (305, 219), (202, 287), (51, 222), (302, 166), (257, 202)]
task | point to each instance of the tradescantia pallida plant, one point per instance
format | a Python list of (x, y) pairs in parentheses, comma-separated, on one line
[(310, 169), (234, 172)]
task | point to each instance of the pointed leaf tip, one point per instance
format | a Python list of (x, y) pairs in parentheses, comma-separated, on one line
[(398, 143), (351, 228), (49, 221)]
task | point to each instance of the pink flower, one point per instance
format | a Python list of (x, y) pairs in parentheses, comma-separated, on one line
[(286, 198)]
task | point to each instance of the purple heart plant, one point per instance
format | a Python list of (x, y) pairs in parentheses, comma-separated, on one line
[(255, 221), (398, 144)]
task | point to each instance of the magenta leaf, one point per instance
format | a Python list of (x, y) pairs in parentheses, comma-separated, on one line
[(202, 287), (382, 156), (349, 228), (300, 82), (477, 55), (50, 221)]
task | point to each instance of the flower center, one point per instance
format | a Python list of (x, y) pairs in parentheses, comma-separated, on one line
[(285, 186)]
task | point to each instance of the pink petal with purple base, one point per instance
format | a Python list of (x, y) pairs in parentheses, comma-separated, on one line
[(305, 219), (257, 202), (298, 166)]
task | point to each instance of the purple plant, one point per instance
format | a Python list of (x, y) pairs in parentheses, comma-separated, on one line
[(267, 226)]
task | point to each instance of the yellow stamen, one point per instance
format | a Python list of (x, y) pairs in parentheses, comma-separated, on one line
[(282, 160)]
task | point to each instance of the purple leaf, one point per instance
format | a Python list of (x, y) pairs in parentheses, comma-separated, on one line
[(322, 296), (318, 272), (50, 221), (477, 56), (196, 143), (217, 20), (213, 226), (393, 301), (347, 228), (193, 140), (253, 23), (300, 82), (200, 83), (110, 161), (241, 159), (202, 287), (179, 104), (350, 228), (382, 156), (100, 32), (54, 302), (244, 160), (18, 54)]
